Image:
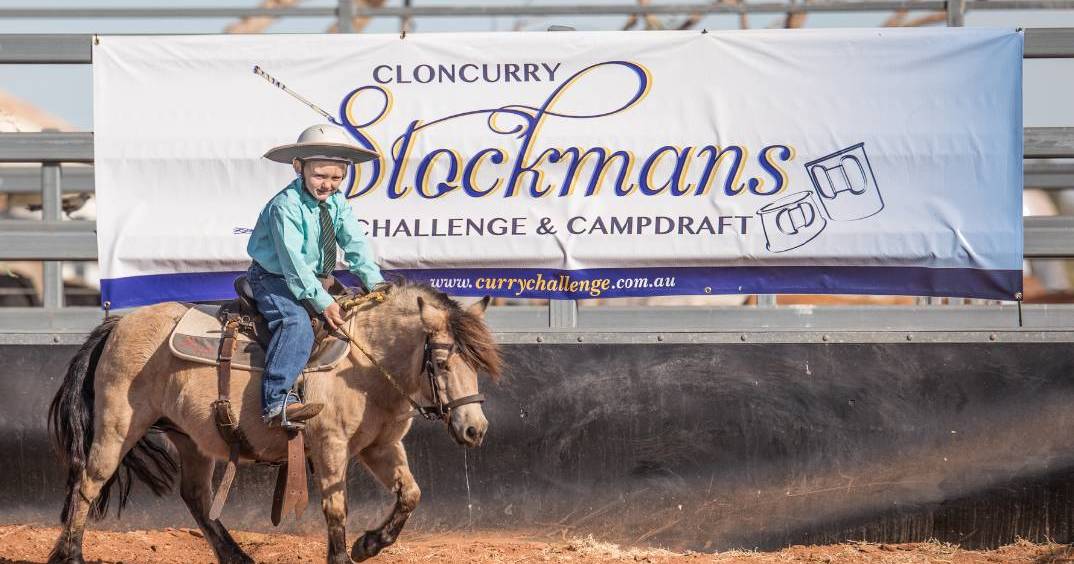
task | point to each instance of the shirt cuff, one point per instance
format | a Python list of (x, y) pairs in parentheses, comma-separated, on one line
[(372, 278)]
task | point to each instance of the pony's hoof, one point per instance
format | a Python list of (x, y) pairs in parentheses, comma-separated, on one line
[(366, 547), (66, 560), (240, 558), (339, 558)]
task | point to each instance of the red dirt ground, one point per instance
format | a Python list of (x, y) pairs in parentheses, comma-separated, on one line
[(31, 544)]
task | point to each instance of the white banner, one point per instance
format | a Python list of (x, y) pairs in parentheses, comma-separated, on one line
[(577, 165)]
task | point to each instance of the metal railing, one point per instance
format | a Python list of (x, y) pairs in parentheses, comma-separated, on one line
[(955, 9), (53, 240)]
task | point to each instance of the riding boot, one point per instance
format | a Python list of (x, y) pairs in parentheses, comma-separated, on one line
[(296, 413)]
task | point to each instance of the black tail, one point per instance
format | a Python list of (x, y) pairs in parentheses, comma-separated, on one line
[(71, 426)]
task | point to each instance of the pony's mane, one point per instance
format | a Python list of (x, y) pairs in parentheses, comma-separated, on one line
[(473, 338)]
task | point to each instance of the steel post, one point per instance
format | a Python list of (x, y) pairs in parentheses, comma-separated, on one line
[(52, 212), (562, 314), (956, 13), (345, 16)]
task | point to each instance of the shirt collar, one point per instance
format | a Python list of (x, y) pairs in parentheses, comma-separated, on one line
[(304, 194)]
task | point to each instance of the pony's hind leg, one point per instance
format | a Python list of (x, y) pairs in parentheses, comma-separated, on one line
[(113, 439), (389, 464), (100, 414), (195, 488)]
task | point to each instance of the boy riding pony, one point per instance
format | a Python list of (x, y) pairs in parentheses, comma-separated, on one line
[(294, 246)]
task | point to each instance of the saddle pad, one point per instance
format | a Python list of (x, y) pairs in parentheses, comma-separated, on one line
[(197, 338)]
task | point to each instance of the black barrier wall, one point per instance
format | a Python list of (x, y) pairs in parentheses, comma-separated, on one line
[(687, 446)]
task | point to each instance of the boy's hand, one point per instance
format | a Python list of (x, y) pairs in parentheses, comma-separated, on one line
[(334, 315)]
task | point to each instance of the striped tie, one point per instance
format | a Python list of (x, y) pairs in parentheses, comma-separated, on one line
[(328, 241)]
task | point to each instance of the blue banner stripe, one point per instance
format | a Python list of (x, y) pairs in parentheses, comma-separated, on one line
[(619, 282)]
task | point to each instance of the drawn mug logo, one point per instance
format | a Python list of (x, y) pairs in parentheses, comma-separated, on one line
[(791, 221), (846, 184), (847, 191)]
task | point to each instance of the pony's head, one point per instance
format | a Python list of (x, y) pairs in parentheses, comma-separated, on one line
[(459, 346)]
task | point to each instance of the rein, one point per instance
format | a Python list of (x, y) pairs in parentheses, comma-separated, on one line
[(440, 408)]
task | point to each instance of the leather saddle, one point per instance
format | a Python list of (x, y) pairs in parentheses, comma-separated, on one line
[(199, 334), (253, 324)]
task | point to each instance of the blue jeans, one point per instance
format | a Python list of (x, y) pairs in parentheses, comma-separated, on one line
[(292, 336)]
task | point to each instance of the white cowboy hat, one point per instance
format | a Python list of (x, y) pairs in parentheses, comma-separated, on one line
[(321, 142)]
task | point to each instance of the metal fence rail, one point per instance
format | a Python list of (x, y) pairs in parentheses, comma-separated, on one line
[(543, 10), (1048, 176), (743, 325), (46, 147), (53, 240), (1040, 43)]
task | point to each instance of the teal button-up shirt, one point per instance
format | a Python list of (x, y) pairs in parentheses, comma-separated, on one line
[(285, 242)]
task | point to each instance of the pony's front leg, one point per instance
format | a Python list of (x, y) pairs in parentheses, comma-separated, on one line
[(330, 466), (388, 463)]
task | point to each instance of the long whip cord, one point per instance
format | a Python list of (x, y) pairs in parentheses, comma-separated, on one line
[(272, 80)]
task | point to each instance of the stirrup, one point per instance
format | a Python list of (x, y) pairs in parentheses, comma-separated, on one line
[(284, 423)]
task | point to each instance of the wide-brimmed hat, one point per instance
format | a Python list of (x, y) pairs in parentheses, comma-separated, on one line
[(321, 142)]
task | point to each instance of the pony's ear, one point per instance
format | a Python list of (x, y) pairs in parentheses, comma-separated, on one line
[(478, 308), (432, 319)]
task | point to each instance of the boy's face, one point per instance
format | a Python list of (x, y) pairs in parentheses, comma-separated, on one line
[(322, 178)]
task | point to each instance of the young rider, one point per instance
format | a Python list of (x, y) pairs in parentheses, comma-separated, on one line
[(294, 246)]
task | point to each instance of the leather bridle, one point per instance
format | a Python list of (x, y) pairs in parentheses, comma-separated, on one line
[(441, 405), (433, 373)]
